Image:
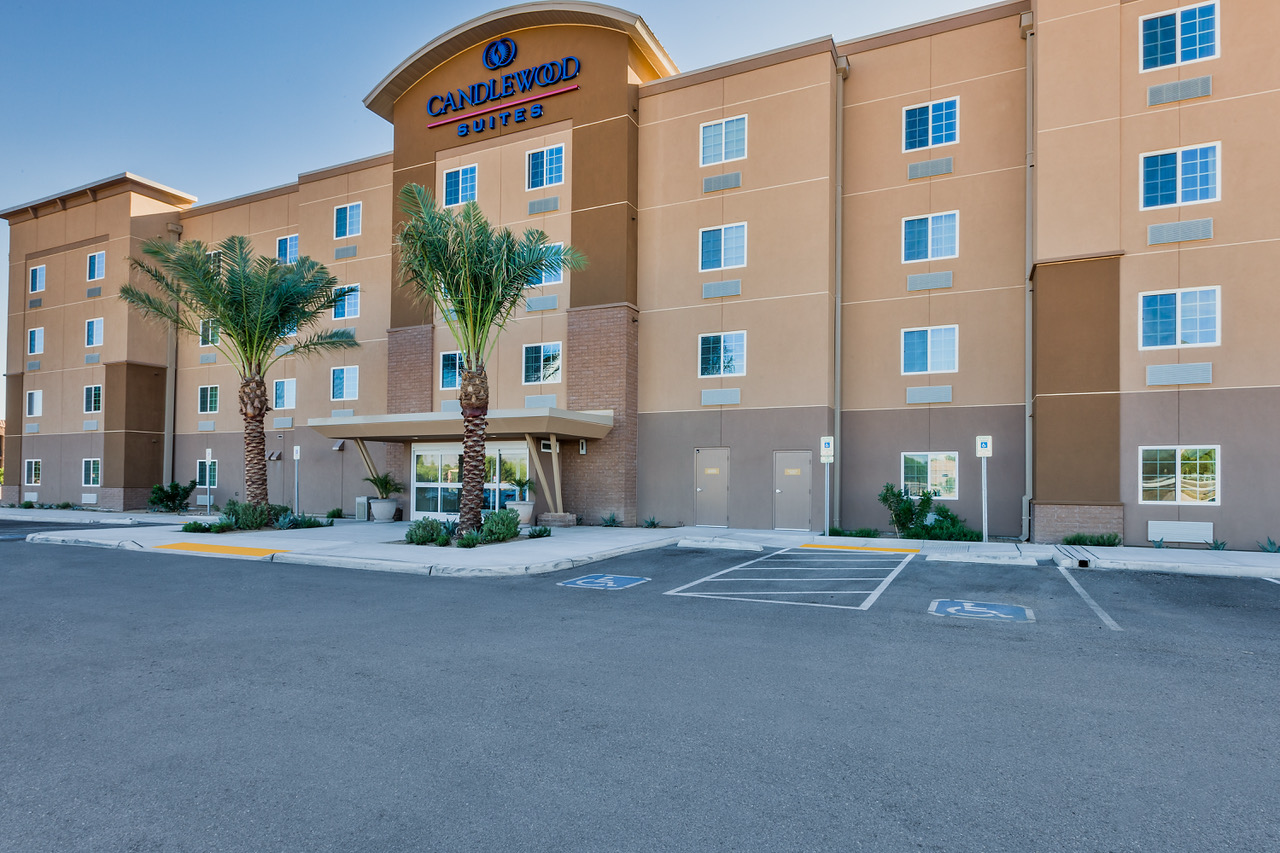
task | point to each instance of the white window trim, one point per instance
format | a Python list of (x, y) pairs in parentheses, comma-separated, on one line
[(547, 283), (564, 168), (458, 353), (344, 368), (287, 237), (697, 362), (902, 469), (902, 237), (1142, 186), (30, 343), (902, 349), (903, 125), (723, 160), (29, 467), (1177, 449), (349, 234), (213, 465), (559, 373), (98, 410), (35, 396), (102, 267), (83, 478), (216, 402), (1217, 35), (42, 276), (723, 266), (102, 326), (273, 394), (214, 339), (343, 289), (1177, 319), (445, 177)]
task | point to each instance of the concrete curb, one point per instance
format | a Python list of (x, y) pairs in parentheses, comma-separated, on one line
[(88, 519), (962, 557), (719, 544), (1219, 571), (56, 539)]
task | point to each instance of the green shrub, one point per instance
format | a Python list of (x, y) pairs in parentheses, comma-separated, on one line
[(1157, 543), (836, 531), (195, 527), (221, 526), (444, 540), (652, 522), (289, 521), (539, 532), (1104, 540), (500, 526), (247, 516), (906, 512), (28, 505), (66, 505), (336, 512), (172, 498), (425, 531), (470, 539), (610, 520), (867, 533), (1218, 545), (1271, 547)]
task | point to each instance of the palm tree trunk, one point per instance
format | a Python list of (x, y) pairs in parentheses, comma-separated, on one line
[(473, 395), (254, 408)]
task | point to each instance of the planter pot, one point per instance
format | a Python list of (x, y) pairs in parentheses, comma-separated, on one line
[(383, 509), (525, 508)]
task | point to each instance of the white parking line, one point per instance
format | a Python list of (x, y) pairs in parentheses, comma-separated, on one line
[(1273, 580), (1102, 614)]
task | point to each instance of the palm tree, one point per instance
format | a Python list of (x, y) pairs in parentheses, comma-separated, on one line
[(475, 276), (242, 305)]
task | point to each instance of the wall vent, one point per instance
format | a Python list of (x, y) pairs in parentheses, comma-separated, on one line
[(282, 423), (929, 394), (1180, 531), (208, 358), (1179, 90), (544, 205), (929, 281), (541, 303), (35, 303), (90, 426), (342, 413), (727, 181), (91, 292), (716, 289), (206, 426), (92, 359), (540, 401), (344, 252), (1180, 374), (721, 397), (1178, 232), (930, 168)]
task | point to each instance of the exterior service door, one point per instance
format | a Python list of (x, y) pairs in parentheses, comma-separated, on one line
[(711, 502), (792, 484)]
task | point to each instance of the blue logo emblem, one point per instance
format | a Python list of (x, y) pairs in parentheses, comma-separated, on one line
[(499, 54)]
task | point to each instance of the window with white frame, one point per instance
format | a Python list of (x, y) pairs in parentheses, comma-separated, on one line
[(31, 472), (97, 267), (542, 363), (92, 399), (1181, 318), (723, 247), (1180, 176), (35, 404), (208, 399), (931, 349), (92, 472), (348, 305), (1180, 475), (286, 394), (722, 354), (545, 167), (207, 473), (459, 185), (215, 261), (931, 473), (930, 125), (450, 366), (287, 249), (554, 276), (931, 238), (1177, 37), (208, 333), (344, 383), (724, 140), (93, 332), (35, 279), (346, 220), (35, 340)]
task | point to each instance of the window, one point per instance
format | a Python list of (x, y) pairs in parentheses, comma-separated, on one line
[(92, 399), (208, 333), (37, 279), (459, 186), (1180, 475), (930, 473), (207, 474), (1180, 318), (35, 404), (724, 140), (931, 238), (286, 392), (723, 248), (215, 262), (92, 472), (546, 167), (556, 276), (541, 363), (35, 341), (348, 305), (287, 249), (344, 383), (97, 266), (208, 399), (93, 332), (722, 354), (450, 364), (927, 125), (1183, 35), (346, 221), (31, 472), (929, 350), (1182, 176)]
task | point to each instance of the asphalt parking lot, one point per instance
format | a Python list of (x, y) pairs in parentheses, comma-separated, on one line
[(168, 702)]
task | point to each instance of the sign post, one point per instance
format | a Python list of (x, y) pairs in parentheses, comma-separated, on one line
[(208, 480), (984, 448), (827, 455), (297, 454)]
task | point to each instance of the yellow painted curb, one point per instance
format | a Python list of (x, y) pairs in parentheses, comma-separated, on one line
[(865, 548), (238, 550)]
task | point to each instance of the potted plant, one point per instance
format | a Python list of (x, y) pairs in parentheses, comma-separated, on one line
[(524, 506), (384, 506)]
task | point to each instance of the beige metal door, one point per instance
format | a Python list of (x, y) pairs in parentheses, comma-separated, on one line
[(711, 503), (792, 485)]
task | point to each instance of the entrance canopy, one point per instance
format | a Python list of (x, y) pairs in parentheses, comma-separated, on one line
[(447, 426)]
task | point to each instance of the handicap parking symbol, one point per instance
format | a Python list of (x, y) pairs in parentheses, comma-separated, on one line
[(603, 582), (982, 610)]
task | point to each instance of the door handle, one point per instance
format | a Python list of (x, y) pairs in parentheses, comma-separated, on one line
[(777, 491), (699, 488)]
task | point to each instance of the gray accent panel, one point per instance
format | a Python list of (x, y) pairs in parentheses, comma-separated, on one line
[(33, 365), (35, 303), (542, 303), (721, 397), (540, 401), (208, 358), (205, 426), (450, 406), (1180, 374), (544, 205), (714, 289), (1180, 531), (727, 181), (344, 252), (342, 413), (1176, 232), (88, 498), (282, 423), (92, 292), (929, 394), (203, 499), (90, 426), (929, 281), (92, 359), (31, 428), (31, 496), (1179, 90), (930, 168), (284, 348)]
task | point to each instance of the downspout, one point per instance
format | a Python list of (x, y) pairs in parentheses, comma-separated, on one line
[(171, 386), (1028, 34), (842, 69)]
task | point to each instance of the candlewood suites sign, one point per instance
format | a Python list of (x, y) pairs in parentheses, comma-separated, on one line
[(505, 99)]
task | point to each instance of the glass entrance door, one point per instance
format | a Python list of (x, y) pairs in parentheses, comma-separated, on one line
[(437, 477)]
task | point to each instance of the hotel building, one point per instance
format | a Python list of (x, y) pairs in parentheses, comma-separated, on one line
[(1046, 222)]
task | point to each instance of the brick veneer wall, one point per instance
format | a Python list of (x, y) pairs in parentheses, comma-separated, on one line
[(1051, 522), (410, 369), (125, 498), (601, 372)]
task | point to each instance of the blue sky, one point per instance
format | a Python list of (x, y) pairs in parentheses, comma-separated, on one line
[(226, 98)]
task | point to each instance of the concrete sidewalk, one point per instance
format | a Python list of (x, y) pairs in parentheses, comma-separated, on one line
[(381, 547)]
